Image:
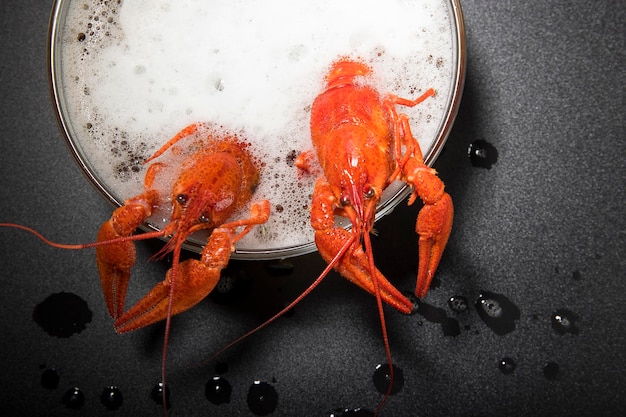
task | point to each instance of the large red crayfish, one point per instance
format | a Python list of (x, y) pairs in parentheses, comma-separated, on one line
[(362, 144)]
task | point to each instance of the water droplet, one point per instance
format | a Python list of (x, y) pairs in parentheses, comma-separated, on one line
[(218, 390), (111, 398), (507, 365), (62, 314), (482, 154), (73, 398), (50, 379), (497, 312), (563, 321), (382, 379), (458, 303), (491, 308), (262, 398), (551, 370), (157, 394)]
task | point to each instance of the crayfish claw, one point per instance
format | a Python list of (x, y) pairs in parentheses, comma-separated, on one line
[(354, 266), (187, 285), (434, 224), (114, 263)]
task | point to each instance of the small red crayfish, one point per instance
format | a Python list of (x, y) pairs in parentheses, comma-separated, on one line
[(212, 185)]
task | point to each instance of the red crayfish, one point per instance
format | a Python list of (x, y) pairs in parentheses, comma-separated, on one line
[(213, 184)]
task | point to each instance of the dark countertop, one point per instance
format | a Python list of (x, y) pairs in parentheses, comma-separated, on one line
[(544, 228)]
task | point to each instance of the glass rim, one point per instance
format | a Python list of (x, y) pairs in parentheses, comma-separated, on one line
[(386, 207)]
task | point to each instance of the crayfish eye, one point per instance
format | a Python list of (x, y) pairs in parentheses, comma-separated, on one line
[(344, 200), (368, 192), (205, 218), (182, 199)]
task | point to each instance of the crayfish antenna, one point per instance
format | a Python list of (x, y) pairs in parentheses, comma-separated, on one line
[(381, 314), (299, 298), (43, 238), (168, 323), (78, 246)]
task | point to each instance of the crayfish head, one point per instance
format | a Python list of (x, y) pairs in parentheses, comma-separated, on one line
[(361, 208), (359, 197), (359, 174), (206, 194), (345, 70)]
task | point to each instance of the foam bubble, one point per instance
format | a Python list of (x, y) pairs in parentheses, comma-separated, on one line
[(136, 72)]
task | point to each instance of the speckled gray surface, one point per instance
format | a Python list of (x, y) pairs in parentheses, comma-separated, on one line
[(544, 227)]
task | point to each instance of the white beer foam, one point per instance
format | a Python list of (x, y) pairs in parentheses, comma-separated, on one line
[(137, 72)]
